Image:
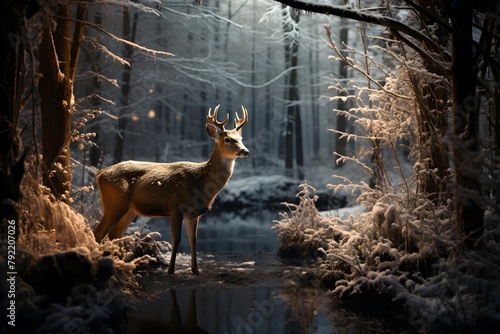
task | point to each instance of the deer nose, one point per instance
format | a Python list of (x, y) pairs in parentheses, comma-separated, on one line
[(243, 153)]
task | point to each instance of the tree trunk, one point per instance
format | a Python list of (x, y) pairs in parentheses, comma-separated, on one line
[(95, 149), (292, 98), (295, 107), (469, 213), (229, 98), (12, 60), (269, 107), (202, 138), (314, 68), (299, 147), (432, 118), (58, 60), (254, 83), (289, 111), (341, 143), (128, 52)]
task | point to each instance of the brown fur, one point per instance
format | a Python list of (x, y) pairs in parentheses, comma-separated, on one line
[(180, 190)]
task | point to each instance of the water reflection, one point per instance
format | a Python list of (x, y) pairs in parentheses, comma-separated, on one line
[(235, 310), (246, 310), (162, 316), (240, 231), (221, 301)]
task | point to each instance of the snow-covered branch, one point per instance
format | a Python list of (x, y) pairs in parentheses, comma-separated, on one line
[(395, 27)]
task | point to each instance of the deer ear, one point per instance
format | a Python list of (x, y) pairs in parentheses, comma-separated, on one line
[(213, 131)]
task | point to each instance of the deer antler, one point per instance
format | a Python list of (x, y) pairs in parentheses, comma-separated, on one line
[(239, 122), (212, 118)]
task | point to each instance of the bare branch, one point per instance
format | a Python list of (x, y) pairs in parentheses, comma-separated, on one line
[(135, 45), (101, 48)]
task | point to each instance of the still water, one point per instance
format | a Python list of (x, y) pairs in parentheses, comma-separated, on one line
[(242, 231), (227, 310), (241, 310)]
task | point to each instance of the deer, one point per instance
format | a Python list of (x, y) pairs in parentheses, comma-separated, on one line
[(181, 190)]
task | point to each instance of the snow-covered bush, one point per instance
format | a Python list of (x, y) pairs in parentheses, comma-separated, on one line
[(302, 233), (65, 280), (406, 250), (463, 295)]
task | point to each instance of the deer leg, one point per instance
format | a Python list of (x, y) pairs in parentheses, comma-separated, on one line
[(192, 314), (121, 226), (175, 314), (112, 214), (175, 230), (192, 232)]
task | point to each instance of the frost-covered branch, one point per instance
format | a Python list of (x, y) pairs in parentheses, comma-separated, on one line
[(121, 40), (396, 27), (356, 67), (139, 5)]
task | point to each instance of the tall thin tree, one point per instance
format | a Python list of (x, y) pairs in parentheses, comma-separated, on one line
[(128, 51), (13, 39), (469, 213), (59, 51), (341, 140), (291, 18)]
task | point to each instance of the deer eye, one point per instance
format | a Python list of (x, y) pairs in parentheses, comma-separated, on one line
[(227, 140)]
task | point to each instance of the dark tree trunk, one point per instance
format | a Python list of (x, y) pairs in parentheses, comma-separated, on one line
[(59, 52), (205, 152), (255, 158), (469, 213), (268, 109), (432, 117), (12, 62), (289, 111), (293, 125), (341, 143), (128, 52), (313, 68), (294, 100), (299, 147), (95, 149), (229, 98)]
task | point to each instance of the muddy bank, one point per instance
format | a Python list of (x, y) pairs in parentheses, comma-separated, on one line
[(226, 270)]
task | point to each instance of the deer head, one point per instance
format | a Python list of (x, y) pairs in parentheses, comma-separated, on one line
[(228, 142)]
